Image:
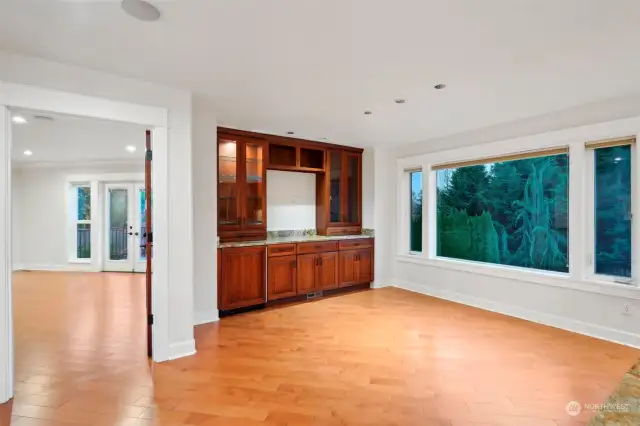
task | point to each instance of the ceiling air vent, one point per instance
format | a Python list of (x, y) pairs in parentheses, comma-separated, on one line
[(43, 117)]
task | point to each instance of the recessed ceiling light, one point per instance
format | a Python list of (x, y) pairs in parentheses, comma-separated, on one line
[(368, 113), (141, 10), (131, 148), (290, 133), (18, 119), (28, 153), (400, 101), (439, 86)]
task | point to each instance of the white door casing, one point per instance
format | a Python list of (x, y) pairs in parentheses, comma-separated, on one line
[(35, 98)]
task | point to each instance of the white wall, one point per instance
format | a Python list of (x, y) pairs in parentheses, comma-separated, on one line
[(205, 213), (41, 210), (45, 74), (571, 303), (291, 200)]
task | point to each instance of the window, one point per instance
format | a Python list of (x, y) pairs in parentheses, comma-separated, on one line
[(510, 211), (612, 210), (415, 232), (81, 211)]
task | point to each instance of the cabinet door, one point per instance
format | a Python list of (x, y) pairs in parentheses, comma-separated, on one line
[(335, 187), (348, 268), (307, 265), (327, 277), (364, 260), (282, 277), (229, 202), (254, 183), (352, 188), (243, 277)]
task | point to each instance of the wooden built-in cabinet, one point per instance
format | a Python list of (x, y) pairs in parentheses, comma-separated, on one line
[(317, 271), (339, 194), (242, 191), (242, 281), (243, 159), (356, 267), (282, 277)]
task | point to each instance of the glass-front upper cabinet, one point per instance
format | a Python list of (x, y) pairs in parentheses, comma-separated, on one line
[(335, 186), (242, 198), (229, 211), (352, 177), (255, 199)]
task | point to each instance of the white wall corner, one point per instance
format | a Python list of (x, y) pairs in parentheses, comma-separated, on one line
[(182, 349), (206, 317), (6, 315), (565, 323)]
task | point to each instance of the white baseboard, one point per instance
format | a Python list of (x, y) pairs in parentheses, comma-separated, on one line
[(205, 317), (378, 284), (580, 327), (182, 349), (71, 267)]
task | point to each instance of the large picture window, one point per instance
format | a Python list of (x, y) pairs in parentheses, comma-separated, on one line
[(512, 211), (612, 210)]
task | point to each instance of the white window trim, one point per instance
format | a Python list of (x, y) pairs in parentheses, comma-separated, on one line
[(574, 138)]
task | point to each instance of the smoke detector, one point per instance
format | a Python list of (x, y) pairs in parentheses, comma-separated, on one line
[(141, 10)]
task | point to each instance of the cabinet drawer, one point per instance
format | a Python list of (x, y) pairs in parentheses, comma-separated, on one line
[(356, 244), (317, 247), (281, 250)]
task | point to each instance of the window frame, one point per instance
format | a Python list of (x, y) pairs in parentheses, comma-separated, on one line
[(73, 221), (574, 139), (409, 172), (590, 221)]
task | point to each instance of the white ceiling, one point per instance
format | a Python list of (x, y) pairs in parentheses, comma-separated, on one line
[(69, 139), (313, 67)]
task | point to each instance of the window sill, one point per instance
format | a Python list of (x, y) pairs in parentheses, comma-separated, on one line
[(554, 279), (85, 261)]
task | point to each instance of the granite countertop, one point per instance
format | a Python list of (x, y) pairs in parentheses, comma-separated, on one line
[(293, 239)]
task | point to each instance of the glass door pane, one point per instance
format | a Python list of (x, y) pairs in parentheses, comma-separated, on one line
[(335, 182), (142, 220), (228, 212), (118, 235), (254, 184), (353, 173)]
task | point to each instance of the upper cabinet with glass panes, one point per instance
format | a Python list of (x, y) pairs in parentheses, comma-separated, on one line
[(243, 160)]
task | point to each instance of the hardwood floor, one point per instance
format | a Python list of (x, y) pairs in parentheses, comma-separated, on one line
[(383, 357)]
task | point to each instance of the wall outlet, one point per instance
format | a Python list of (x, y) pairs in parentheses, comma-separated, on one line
[(626, 310)]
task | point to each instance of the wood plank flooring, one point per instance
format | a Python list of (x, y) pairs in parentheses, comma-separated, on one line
[(383, 357)]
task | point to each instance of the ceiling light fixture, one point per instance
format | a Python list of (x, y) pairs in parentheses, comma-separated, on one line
[(130, 148), (28, 153), (368, 113), (18, 119), (400, 101), (617, 159), (141, 10), (439, 86)]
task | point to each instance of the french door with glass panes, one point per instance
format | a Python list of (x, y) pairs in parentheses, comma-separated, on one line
[(124, 243)]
